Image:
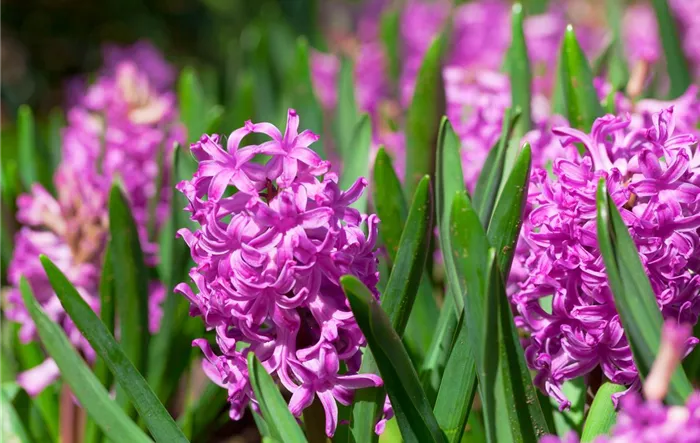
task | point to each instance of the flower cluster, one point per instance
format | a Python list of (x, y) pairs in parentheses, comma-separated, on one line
[(120, 128), (275, 237), (565, 301)]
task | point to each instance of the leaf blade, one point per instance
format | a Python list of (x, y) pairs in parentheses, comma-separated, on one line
[(151, 410)]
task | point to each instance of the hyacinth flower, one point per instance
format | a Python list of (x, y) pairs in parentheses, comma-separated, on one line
[(274, 239), (652, 178), (648, 419), (120, 128)]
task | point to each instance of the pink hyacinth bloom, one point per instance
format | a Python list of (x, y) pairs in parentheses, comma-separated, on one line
[(268, 260)]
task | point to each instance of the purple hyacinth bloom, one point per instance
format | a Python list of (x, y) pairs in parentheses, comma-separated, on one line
[(565, 300), (119, 129), (148, 58), (269, 257)]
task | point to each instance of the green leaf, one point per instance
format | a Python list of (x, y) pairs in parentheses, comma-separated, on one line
[(448, 181), (107, 313), (634, 297), (574, 93), (618, 74), (33, 167), (199, 415), (602, 415), (131, 288), (282, 425), (300, 94), (506, 220), (389, 32), (400, 293), (356, 159), (192, 104), (11, 427), (520, 78), (436, 358), (678, 71), (389, 202), (535, 7), (411, 406), (491, 179), (88, 390), (165, 348), (347, 115), (423, 117), (456, 394), (151, 410)]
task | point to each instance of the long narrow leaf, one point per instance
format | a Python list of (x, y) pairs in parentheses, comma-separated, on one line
[(456, 393), (11, 427), (520, 81), (406, 273), (634, 297), (356, 159), (399, 295), (411, 406), (575, 84), (602, 414), (448, 182), (618, 74), (282, 425), (87, 389), (436, 358), (131, 286), (494, 173), (678, 71), (423, 117), (389, 203), (151, 410), (33, 167), (347, 116), (300, 93), (389, 30)]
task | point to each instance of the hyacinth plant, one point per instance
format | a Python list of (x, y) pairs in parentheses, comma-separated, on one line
[(468, 222)]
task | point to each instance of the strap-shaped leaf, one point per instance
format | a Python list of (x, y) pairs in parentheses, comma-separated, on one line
[(456, 395), (12, 429), (449, 180), (569, 420), (33, 164), (399, 295), (389, 31), (634, 297), (347, 116), (389, 202), (492, 177), (281, 424), (678, 71), (131, 281), (169, 346), (520, 80), (191, 101), (618, 74), (151, 410), (197, 418), (115, 424), (411, 407), (574, 95), (436, 357), (506, 220), (356, 159), (423, 117), (401, 290), (602, 414)]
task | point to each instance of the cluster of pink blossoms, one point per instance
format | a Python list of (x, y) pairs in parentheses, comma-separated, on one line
[(119, 128), (653, 175), (276, 234)]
